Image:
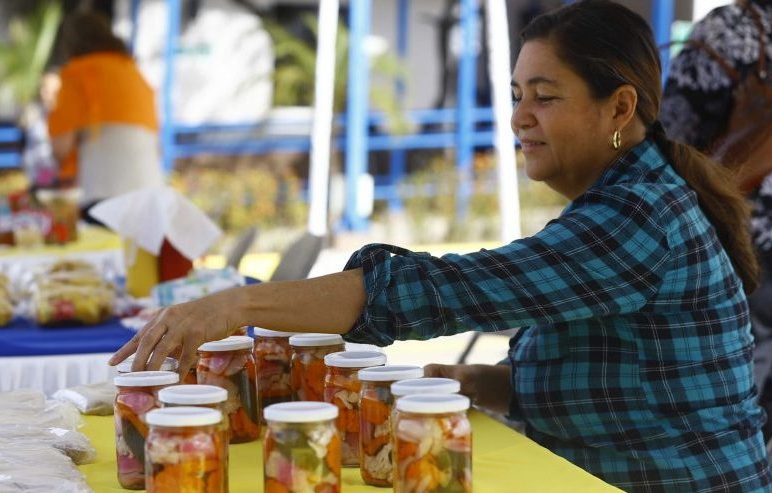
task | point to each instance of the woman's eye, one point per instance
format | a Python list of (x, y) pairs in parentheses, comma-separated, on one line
[(545, 98), (517, 98)]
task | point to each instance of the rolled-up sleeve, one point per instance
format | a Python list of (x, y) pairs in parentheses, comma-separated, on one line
[(602, 258)]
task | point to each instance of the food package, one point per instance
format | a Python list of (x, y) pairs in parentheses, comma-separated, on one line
[(6, 300), (30, 407), (58, 304), (39, 468), (94, 399), (72, 443), (198, 284)]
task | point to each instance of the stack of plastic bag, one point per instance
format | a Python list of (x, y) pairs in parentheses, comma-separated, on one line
[(40, 445), (93, 399)]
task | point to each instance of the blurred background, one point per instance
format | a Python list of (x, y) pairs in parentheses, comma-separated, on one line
[(412, 159)]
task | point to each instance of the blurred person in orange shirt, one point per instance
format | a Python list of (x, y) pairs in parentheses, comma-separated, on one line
[(103, 126)]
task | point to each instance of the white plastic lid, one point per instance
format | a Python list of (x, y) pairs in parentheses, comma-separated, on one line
[(183, 416), (310, 340), (425, 386), (259, 332), (232, 343), (192, 395), (390, 373), (169, 364), (300, 412), (355, 359), (146, 378), (433, 403)]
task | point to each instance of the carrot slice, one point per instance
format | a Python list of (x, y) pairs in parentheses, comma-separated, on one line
[(274, 486)]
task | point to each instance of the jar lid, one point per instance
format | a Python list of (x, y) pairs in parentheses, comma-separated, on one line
[(232, 343), (355, 359), (259, 332), (146, 378), (169, 364), (310, 340), (183, 416), (425, 386), (433, 403), (192, 394), (390, 373), (300, 412)]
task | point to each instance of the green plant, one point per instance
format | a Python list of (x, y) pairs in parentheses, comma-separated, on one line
[(296, 66), (25, 54)]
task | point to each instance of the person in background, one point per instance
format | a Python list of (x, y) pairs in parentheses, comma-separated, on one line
[(696, 108), (634, 360), (103, 126)]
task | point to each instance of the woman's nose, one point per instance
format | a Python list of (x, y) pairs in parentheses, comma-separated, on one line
[(521, 117)]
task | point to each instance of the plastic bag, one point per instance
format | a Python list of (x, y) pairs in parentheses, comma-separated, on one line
[(72, 443), (39, 468), (95, 399), (55, 303), (26, 407)]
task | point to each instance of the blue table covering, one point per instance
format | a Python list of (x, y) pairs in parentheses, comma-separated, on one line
[(25, 338)]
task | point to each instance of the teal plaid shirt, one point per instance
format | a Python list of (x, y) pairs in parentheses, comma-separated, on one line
[(635, 359)]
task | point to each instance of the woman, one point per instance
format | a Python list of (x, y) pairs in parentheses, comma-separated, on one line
[(696, 108), (103, 127), (635, 362)]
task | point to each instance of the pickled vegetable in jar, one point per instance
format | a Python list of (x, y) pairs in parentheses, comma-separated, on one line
[(308, 370), (184, 451), (375, 403), (433, 444), (137, 394), (169, 364), (301, 450), (228, 363), (273, 358), (341, 388), (208, 396)]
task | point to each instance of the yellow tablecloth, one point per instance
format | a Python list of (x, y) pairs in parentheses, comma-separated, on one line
[(504, 462), (90, 239)]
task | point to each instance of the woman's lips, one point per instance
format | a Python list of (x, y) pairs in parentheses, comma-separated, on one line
[(530, 145)]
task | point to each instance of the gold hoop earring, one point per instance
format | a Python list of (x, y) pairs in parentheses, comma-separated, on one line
[(616, 140)]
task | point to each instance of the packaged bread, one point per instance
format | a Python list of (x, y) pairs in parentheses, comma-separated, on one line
[(61, 304)]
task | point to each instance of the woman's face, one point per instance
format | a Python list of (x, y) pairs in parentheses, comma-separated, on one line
[(563, 131)]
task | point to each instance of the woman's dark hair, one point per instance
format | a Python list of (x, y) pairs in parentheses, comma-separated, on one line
[(608, 46), (83, 33)]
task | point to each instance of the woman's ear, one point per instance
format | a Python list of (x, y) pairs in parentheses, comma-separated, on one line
[(624, 102)]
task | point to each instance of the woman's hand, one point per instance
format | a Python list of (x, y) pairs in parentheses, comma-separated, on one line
[(180, 329), (488, 386), (329, 304)]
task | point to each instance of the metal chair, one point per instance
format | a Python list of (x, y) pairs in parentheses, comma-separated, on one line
[(296, 262), (241, 247)]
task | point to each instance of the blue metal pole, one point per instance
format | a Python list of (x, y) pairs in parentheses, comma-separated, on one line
[(167, 129), (356, 110), (662, 20), (397, 164), (134, 15), (466, 103)]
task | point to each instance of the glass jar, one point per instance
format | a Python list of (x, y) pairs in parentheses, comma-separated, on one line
[(422, 386), (184, 451), (208, 396), (341, 387), (307, 370), (273, 358), (137, 394), (301, 450), (228, 363), (169, 364), (433, 444), (375, 436)]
